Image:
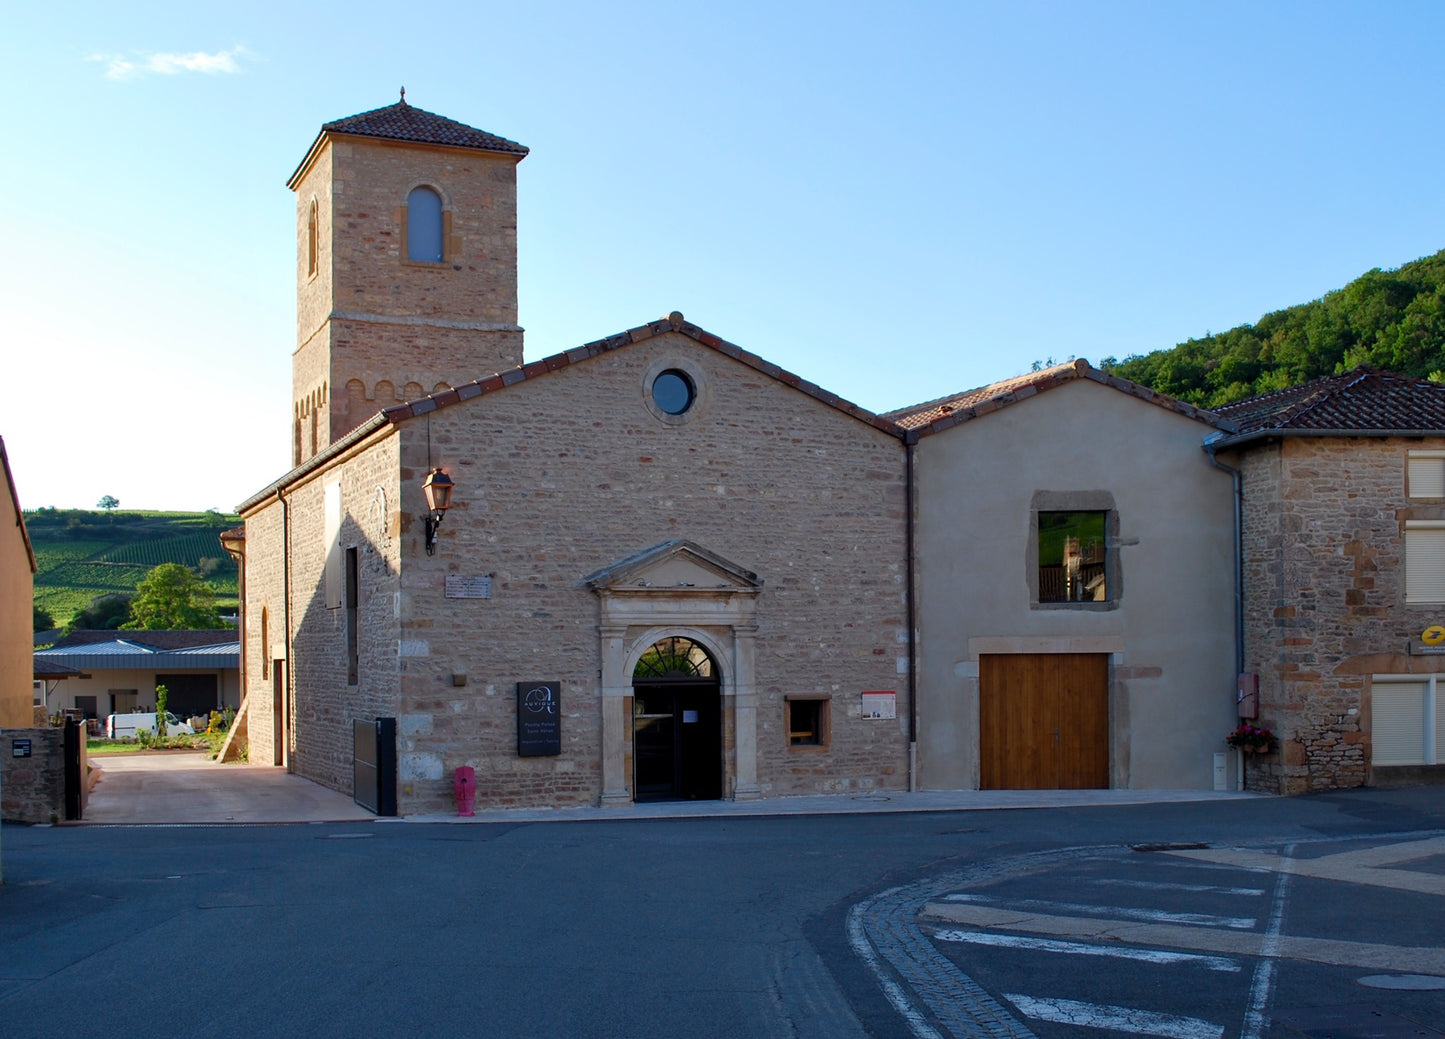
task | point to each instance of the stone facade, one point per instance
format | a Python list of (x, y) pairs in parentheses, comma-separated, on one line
[(559, 476), (1325, 601), (288, 545)]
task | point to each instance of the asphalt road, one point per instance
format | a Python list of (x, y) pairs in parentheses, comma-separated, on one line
[(840, 926)]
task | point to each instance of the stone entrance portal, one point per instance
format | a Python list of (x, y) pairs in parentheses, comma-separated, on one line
[(677, 591)]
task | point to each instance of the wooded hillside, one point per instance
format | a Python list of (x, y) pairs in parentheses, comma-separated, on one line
[(1392, 320), (81, 554)]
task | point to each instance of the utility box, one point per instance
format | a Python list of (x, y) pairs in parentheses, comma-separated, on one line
[(1247, 696), (1221, 770), (373, 765)]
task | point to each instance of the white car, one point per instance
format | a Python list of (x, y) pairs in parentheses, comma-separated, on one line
[(118, 726)]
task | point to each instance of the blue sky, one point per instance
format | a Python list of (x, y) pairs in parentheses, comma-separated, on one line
[(895, 201)]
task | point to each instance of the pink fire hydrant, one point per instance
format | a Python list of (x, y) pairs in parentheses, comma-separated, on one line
[(466, 790)]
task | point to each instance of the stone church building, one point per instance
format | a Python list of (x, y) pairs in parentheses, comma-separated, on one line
[(660, 567)]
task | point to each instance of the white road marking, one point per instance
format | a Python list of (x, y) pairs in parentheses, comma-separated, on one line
[(1159, 885), (1262, 986), (1117, 1019), (1018, 941), (1399, 959), (858, 939), (1365, 866), (1158, 916)]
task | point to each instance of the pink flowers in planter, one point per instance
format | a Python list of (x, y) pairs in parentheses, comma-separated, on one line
[(1251, 738)]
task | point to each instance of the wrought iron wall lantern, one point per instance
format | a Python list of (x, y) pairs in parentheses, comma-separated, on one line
[(438, 488)]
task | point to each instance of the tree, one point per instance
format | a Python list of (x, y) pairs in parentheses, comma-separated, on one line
[(105, 613), (43, 620), (108, 503), (172, 596), (163, 696)]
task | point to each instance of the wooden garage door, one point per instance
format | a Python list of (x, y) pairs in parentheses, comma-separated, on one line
[(1043, 721)]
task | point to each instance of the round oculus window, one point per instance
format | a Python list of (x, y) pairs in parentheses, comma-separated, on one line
[(673, 392)]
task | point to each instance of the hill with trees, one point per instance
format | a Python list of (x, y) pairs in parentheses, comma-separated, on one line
[(83, 555), (1391, 320)]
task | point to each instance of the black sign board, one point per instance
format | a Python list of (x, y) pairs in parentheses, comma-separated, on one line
[(20, 748), (539, 719)]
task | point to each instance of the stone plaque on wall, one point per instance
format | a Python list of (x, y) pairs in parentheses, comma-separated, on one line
[(469, 587)]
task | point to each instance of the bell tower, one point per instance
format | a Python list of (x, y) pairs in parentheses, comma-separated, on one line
[(406, 266)]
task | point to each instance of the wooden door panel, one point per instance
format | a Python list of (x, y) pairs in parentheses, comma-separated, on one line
[(1043, 721)]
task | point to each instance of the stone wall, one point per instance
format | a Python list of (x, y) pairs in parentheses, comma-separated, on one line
[(32, 789), (565, 474), (317, 715), (1325, 600), (370, 316), (560, 476)]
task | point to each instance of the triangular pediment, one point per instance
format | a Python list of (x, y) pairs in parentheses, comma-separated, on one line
[(672, 566)]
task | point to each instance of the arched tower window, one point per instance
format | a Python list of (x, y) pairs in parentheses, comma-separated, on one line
[(424, 226), (311, 231)]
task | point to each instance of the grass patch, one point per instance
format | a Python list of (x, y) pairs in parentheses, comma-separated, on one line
[(112, 747)]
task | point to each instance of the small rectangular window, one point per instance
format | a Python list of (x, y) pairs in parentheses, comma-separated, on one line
[(353, 602), (1073, 557), (807, 722)]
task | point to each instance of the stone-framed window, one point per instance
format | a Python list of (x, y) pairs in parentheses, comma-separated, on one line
[(1072, 559), (353, 603), (1404, 721), (424, 227), (1424, 561), (313, 245), (1425, 474), (807, 720), (675, 391)]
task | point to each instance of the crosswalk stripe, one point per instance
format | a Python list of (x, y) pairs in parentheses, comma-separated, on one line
[(1118, 1019), (1160, 885), (1019, 941), (1159, 916)]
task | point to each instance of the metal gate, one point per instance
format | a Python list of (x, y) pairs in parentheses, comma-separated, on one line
[(373, 765), (74, 742)]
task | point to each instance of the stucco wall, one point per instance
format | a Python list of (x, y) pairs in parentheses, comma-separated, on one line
[(16, 627), (1170, 631), (1325, 599)]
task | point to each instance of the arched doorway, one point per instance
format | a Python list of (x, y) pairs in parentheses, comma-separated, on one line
[(676, 723)]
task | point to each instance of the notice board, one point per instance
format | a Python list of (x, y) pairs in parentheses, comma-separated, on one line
[(539, 719)]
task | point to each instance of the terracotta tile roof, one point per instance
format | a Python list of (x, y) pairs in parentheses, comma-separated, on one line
[(945, 412), (404, 122), (1360, 401), (674, 322)]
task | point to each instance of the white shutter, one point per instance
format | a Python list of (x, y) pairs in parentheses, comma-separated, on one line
[(1424, 561), (1426, 474), (1397, 723)]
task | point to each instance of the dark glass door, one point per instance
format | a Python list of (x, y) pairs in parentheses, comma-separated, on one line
[(677, 741)]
